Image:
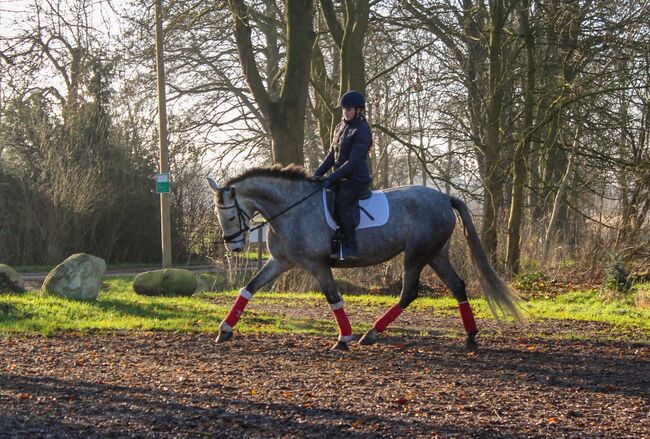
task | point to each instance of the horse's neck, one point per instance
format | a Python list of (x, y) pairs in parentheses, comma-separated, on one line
[(269, 195)]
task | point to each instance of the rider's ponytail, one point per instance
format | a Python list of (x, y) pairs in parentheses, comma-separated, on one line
[(362, 116)]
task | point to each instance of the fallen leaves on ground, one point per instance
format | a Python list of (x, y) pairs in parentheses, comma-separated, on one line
[(184, 385)]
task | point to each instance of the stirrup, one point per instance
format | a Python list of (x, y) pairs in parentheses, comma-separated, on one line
[(337, 255), (346, 253)]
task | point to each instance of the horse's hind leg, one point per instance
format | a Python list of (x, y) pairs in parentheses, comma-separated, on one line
[(413, 266), (441, 265)]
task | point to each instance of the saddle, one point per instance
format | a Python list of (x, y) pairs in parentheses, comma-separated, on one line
[(371, 210), (330, 199)]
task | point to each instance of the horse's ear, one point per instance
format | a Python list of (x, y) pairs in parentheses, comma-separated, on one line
[(213, 185), (232, 191)]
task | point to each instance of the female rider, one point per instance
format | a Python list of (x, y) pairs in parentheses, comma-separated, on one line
[(348, 156)]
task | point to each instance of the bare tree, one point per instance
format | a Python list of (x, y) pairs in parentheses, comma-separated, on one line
[(284, 114)]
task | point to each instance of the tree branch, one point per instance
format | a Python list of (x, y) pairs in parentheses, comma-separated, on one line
[(398, 63), (247, 55), (327, 9)]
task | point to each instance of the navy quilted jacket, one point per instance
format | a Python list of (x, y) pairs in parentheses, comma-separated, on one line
[(349, 153)]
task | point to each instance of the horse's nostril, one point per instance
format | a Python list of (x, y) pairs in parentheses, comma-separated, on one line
[(237, 249)]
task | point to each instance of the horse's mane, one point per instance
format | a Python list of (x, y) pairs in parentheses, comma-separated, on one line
[(291, 172)]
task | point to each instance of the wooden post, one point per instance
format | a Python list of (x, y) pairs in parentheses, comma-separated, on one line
[(260, 247), (165, 228)]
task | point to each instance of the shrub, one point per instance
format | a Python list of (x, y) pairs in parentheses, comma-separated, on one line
[(617, 278), (528, 282)]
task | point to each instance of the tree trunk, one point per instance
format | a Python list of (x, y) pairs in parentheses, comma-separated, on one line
[(353, 69), (522, 149), (493, 183), (287, 137), (348, 38), (557, 202), (285, 115), (326, 96)]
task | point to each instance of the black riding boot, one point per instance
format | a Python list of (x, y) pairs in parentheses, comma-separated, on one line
[(346, 197), (350, 250)]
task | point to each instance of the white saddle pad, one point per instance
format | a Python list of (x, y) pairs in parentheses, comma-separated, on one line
[(376, 205)]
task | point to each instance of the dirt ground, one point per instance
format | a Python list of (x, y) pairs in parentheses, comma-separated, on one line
[(530, 383)]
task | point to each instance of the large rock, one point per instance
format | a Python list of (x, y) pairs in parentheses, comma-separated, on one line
[(166, 282), (78, 277), (10, 280)]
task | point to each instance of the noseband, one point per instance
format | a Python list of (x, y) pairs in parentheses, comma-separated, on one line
[(243, 223)]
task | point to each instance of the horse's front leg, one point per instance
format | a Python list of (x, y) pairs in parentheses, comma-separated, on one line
[(323, 274), (272, 269)]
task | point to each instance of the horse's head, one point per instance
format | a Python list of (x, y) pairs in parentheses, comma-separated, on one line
[(234, 217)]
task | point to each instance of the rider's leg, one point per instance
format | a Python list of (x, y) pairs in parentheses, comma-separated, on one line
[(413, 266), (272, 269), (348, 193), (444, 269), (350, 249)]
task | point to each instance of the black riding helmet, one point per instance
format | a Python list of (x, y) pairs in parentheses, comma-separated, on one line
[(352, 99)]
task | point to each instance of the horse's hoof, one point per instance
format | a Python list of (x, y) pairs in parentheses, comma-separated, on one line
[(224, 336), (470, 344), (340, 346), (369, 338)]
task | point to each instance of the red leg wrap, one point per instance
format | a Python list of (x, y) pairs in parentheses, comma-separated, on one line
[(468, 317), (345, 329), (387, 318), (236, 311)]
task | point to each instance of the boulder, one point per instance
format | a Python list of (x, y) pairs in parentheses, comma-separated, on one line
[(78, 277), (10, 280), (166, 282)]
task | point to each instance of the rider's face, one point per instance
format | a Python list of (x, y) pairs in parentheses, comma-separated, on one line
[(349, 113)]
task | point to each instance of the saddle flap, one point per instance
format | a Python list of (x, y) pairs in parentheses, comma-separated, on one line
[(331, 199), (370, 211)]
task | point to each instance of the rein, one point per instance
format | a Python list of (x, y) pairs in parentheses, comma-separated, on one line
[(244, 218)]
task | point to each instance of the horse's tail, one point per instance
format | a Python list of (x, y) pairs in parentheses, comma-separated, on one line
[(497, 293)]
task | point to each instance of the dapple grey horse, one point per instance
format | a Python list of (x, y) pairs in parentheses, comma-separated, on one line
[(420, 225)]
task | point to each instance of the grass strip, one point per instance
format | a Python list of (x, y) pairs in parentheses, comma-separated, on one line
[(119, 308)]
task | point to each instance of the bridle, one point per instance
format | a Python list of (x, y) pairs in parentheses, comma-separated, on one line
[(244, 218)]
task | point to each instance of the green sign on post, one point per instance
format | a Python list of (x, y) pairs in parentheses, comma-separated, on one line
[(162, 183)]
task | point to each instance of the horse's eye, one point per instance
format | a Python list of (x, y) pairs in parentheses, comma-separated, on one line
[(232, 218)]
